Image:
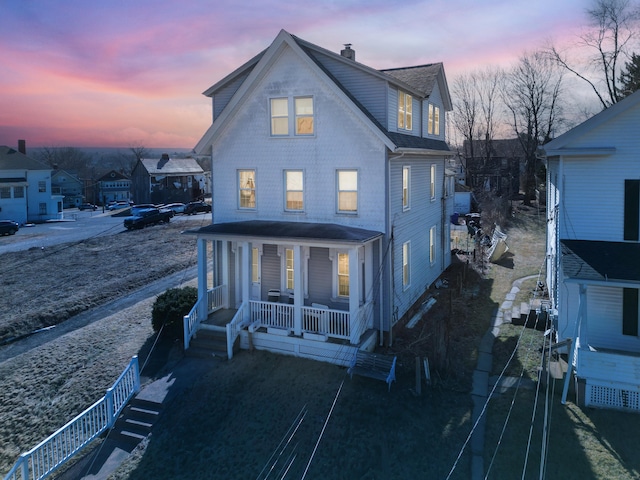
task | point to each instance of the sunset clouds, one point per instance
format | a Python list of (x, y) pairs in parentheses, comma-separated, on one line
[(118, 73)]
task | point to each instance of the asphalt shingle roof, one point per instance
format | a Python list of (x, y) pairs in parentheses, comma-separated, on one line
[(601, 261)]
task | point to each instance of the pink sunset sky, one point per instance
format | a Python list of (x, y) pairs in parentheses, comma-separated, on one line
[(123, 73)]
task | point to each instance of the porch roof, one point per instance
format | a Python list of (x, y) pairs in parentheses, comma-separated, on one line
[(290, 230), (600, 261)]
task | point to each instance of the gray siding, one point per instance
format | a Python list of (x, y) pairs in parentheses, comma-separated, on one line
[(270, 269), (320, 272), (223, 96)]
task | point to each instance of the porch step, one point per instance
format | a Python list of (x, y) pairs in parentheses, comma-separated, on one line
[(209, 343), (135, 422)]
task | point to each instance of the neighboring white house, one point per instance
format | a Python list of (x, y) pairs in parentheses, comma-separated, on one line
[(331, 202), (25, 189), (593, 252)]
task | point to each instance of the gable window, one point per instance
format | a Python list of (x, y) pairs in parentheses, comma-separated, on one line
[(289, 268), (432, 245), (433, 120), (294, 190), (406, 264), (42, 186), (279, 116), (247, 188), (630, 311), (304, 115), (632, 210), (432, 183), (347, 191), (406, 182), (405, 111), (343, 274)]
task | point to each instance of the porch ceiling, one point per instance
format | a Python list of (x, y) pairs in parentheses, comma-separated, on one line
[(601, 261), (289, 230)]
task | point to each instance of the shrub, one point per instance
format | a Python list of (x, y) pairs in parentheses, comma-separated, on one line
[(170, 308)]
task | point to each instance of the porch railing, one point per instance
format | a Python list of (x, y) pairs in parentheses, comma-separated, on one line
[(51, 453), (269, 314), (236, 324), (333, 323), (216, 298)]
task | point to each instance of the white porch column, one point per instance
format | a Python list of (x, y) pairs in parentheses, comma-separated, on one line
[(202, 279), (245, 277), (354, 295), (225, 271), (298, 294), (573, 350)]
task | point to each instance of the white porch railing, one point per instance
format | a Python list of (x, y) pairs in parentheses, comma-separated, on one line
[(216, 298), (270, 314), (51, 453), (236, 324), (324, 321)]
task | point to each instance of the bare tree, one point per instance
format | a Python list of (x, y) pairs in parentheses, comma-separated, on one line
[(532, 98), (67, 158), (612, 29), (465, 114)]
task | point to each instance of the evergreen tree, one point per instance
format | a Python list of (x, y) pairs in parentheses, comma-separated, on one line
[(630, 76)]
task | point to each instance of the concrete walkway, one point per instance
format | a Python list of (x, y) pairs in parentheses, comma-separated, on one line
[(483, 383)]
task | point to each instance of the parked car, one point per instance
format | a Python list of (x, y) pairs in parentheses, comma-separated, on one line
[(136, 209), (87, 206), (148, 216), (196, 207), (8, 227), (175, 207), (119, 205)]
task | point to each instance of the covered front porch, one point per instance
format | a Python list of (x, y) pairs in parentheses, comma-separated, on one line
[(315, 295)]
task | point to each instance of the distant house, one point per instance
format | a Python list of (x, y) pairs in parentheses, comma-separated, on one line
[(114, 187), (331, 199), (168, 180), (494, 166), (25, 188), (593, 252), (69, 186)]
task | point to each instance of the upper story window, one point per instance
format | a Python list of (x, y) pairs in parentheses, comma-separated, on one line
[(42, 186), (432, 182), (5, 192), (405, 111), (302, 116), (18, 192), (433, 122), (294, 195), (247, 188), (347, 191), (432, 245), (406, 187)]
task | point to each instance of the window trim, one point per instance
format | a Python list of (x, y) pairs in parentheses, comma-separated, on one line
[(406, 188), (286, 270), (337, 275), (432, 182), (297, 116), (406, 264), (405, 111), (292, 117), (273, 117), (339, 191), (432, 245), (287, 191), (248, 188)]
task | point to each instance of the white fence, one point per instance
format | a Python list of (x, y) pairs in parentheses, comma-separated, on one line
[(48, 455), (216, 298)]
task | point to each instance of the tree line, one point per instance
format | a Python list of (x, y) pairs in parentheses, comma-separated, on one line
[(529, 101)]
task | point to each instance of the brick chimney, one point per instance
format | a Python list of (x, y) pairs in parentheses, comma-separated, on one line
[(22, 147), (347, 52)]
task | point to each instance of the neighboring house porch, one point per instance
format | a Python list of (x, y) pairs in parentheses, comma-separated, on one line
[(289, 287), (601, 281)]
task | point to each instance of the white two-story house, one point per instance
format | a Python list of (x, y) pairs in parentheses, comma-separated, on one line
[(331, 203), (593, 253)]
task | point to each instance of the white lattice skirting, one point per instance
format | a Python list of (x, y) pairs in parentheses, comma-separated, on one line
[(612, 397)]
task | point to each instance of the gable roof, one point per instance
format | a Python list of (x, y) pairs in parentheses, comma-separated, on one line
[(560, 145), (112, 175), (255, 68), (171, 166), (11, 159)]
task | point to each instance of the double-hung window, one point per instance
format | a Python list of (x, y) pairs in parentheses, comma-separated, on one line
[(432, 183), (294, 194), (255, 265), (406, 187), (347, 191), (432, 245), (289, 268), (247, 188), (433, 120), (406, 264), (300, 120), (405, 111)]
